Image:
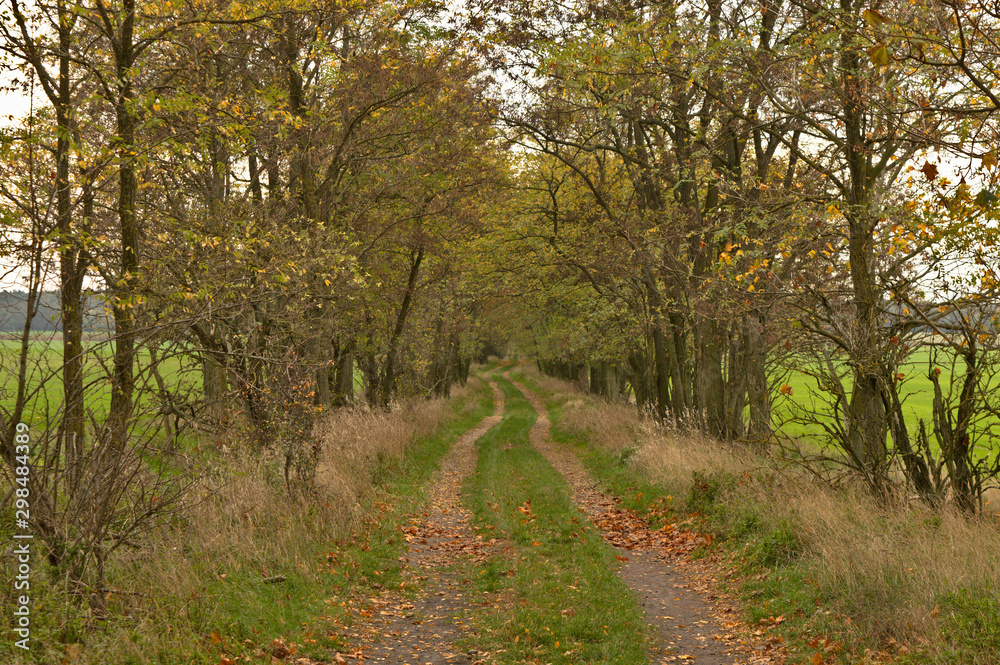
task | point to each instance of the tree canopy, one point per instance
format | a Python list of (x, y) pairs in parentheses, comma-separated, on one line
[(319, 204)]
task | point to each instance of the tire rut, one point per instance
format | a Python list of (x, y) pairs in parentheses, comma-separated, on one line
[(425, 629), (679, 607)]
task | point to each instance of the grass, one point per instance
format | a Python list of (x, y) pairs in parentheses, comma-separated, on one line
[(837, 576), (806, 401), (180, 372), (564, 603), (194, 590)]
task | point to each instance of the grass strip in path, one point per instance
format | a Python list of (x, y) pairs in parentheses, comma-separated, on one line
[(677, 593), (677, 614), (560, 598)]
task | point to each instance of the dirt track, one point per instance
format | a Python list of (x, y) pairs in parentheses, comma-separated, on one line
[(690, 625)]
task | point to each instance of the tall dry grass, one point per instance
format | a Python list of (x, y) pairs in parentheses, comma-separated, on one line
[(355, 442), (923, 581), (665, 454), (240, 523), (242, 513)]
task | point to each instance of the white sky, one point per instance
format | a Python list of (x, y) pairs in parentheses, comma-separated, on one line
[(14, 105)]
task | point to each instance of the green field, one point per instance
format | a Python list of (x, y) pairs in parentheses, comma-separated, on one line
[(181, 373), (806, 401), (44, 382)]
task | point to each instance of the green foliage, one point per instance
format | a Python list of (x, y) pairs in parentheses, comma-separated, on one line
[(705, 490)]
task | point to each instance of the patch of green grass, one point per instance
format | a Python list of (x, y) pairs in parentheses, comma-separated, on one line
[(915, 389), (44, 391), (971, 626), (567, 604)]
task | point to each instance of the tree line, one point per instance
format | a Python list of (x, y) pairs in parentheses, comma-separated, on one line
[(288, 207), (272, 200), (727, 191)]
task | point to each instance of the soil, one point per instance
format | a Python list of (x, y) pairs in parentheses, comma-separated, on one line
[(425, 630)]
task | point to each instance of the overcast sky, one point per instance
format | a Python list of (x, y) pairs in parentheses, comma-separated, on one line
[(13, 105)]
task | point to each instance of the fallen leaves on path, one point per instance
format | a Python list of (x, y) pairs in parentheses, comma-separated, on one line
[(626, 529), (658, 560)]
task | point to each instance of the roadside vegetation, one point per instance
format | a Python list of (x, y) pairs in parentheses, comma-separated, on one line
[(243, 564), (842, 577)]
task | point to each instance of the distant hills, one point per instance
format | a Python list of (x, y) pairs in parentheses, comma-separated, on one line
[(13, 306)]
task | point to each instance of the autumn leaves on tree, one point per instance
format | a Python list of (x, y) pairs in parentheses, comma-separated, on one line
[(749, 188), (324, 203)]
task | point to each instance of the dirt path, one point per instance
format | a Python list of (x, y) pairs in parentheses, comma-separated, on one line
[(691, 626), (424, 630), (678, 604)]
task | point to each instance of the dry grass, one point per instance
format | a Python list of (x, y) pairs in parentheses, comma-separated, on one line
[(666, 455), (238, 512), (239, 524), (355, 442), (550, 383), (893, 572)]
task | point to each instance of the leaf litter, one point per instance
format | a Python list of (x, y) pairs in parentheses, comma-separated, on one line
[(425, 629), (693, 621)]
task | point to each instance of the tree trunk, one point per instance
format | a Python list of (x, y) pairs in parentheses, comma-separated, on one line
[(388, 377), (594, 371), (123, 377), (323, 393), (343, 392), (639, 379), (72, 269), (709, 385), (953, 437), (214, 387), (755, 366), (916, 468), (662, 372), (737, 381)]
